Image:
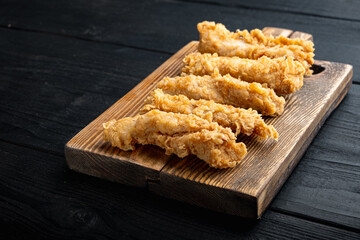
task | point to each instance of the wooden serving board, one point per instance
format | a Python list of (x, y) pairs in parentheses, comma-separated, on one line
[(245, 190)]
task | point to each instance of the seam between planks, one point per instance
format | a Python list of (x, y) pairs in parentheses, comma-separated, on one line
[(242, 6), (82, 38), (313, 219), (54, 153)]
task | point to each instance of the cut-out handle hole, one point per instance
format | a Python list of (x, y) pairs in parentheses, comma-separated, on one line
[(317, 69)]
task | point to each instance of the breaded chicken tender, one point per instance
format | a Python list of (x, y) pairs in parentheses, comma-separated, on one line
[(239, 120), (225, 90), (179, 134), (284, 75), (215, 38)]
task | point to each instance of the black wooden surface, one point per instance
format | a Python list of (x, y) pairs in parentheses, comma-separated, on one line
[(62, 63)]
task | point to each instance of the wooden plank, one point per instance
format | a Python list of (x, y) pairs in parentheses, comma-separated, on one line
[(42, 199), (52, 86), (102, 22), (247, 189), (323, 8)]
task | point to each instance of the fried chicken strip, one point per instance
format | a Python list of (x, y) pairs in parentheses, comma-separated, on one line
[(239, 120), (225, 90), (284, 75), (215, 38), (179, 134)]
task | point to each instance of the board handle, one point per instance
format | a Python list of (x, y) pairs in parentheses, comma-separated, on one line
[(276, 32)]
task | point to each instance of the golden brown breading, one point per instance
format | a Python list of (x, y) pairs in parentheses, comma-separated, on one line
[(225, 90), (215, 38), (239, 120), (284, 75), (179, 134)]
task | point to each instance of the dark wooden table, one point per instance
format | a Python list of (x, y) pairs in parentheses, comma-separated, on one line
[(64, 63)]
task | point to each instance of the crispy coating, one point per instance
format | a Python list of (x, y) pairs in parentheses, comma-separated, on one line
[(179, 134), (239, 120), (284, 75), (225, 90), (215, 38)]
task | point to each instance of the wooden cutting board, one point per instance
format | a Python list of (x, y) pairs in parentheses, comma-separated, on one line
[(245, 190)]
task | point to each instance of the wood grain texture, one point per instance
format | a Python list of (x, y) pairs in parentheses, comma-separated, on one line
[(323, 8), (331, 163), (245, 190), (48, 201), (127, 22), (51, 86), (261, 174), (87, 152), (96, 75)]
